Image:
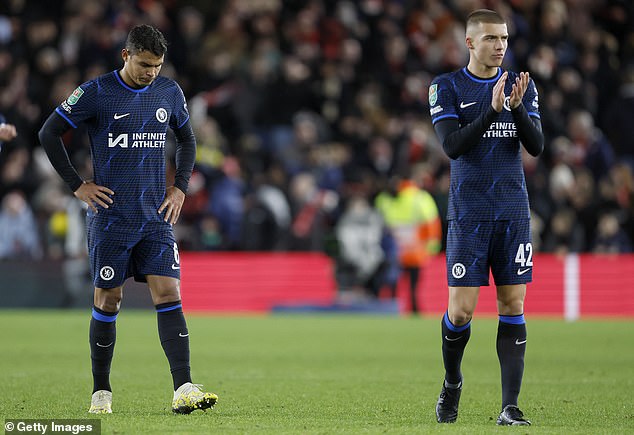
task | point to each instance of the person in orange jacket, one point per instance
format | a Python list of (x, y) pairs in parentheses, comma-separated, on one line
[(412, 216)]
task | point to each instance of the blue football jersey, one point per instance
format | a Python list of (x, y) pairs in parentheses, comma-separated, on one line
[(487, 182), (127, 129)]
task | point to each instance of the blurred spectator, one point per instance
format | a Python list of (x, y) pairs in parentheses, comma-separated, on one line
[(611, 238), (268, 217), (226, 204), (77, 275), (16, 171), (565, 235), (591, 147), (211, 236), (307, 134), (361, 261), (584, 202), (19, 236), (619, 115), (561, 179), (411, 215), (617, 195), (312, 208)]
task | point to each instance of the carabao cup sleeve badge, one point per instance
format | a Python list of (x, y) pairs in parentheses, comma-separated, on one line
[(75, 96), (433, 94)]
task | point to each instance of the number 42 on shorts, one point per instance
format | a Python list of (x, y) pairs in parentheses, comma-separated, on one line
[(524, 258)]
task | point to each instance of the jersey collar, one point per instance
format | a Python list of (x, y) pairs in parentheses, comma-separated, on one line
[(122, 83), (479, 79)]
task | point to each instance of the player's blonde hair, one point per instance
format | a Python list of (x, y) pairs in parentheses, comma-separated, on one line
[(484, 16)]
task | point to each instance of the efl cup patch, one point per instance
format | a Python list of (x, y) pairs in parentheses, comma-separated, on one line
[(433, 94), (75, 96)]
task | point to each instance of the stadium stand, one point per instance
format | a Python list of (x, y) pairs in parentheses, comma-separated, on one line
[(298, 106)]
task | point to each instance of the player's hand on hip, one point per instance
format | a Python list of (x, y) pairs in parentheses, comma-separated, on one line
[(94, 195), (519, 88), (497, 100), (172, 204)]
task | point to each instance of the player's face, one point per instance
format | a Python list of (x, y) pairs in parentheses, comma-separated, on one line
[(140, 69), (487, 43)]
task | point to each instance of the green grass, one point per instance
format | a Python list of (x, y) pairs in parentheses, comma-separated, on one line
[(318, 374)]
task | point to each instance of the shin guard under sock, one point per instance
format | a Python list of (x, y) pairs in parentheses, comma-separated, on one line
[(454, 341), (511, 347), (175, 340), (102, 335)]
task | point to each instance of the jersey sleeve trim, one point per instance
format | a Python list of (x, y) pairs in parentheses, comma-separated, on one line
[(184, 122), (449, 115), (534, 115), (60, 113)]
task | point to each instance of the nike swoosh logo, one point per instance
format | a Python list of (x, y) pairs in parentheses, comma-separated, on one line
[(463, 105), (104, 345), (518, 342), (522, 272), (180, 334), (175, 267), (117, 116), (453, 339)]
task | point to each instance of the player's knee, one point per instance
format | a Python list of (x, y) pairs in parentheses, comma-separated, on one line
[(166, 295), (460, 317), (108, 300), (511, 307), (109, 306)]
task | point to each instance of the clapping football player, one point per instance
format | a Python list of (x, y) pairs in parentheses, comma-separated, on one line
[(483, 115)]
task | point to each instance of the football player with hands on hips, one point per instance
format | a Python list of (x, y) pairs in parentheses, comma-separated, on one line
[(131, 211), (483, 115)]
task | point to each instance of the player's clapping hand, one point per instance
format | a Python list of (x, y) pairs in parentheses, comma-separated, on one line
[(94, 195), (497, 100), (172, 204), (519, 88)]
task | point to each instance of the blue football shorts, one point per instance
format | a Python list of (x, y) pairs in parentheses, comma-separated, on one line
[(502, 247), (116, 256)]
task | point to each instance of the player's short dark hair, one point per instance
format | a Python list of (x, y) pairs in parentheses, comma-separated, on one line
[(484, 16), (146, 38)]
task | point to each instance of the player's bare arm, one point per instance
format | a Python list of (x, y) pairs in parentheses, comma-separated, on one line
[(172, 204), (519, 88), (93, 195)]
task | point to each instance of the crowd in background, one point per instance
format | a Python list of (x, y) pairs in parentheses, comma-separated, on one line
[(302, 108)]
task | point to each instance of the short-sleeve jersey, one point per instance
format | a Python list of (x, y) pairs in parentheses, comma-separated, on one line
[(487, 182), (127, 128)]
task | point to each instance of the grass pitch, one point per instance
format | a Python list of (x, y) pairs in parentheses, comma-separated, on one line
[(318, 374)]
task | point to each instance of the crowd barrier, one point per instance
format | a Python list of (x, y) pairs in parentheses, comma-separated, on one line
[(569, 286)]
